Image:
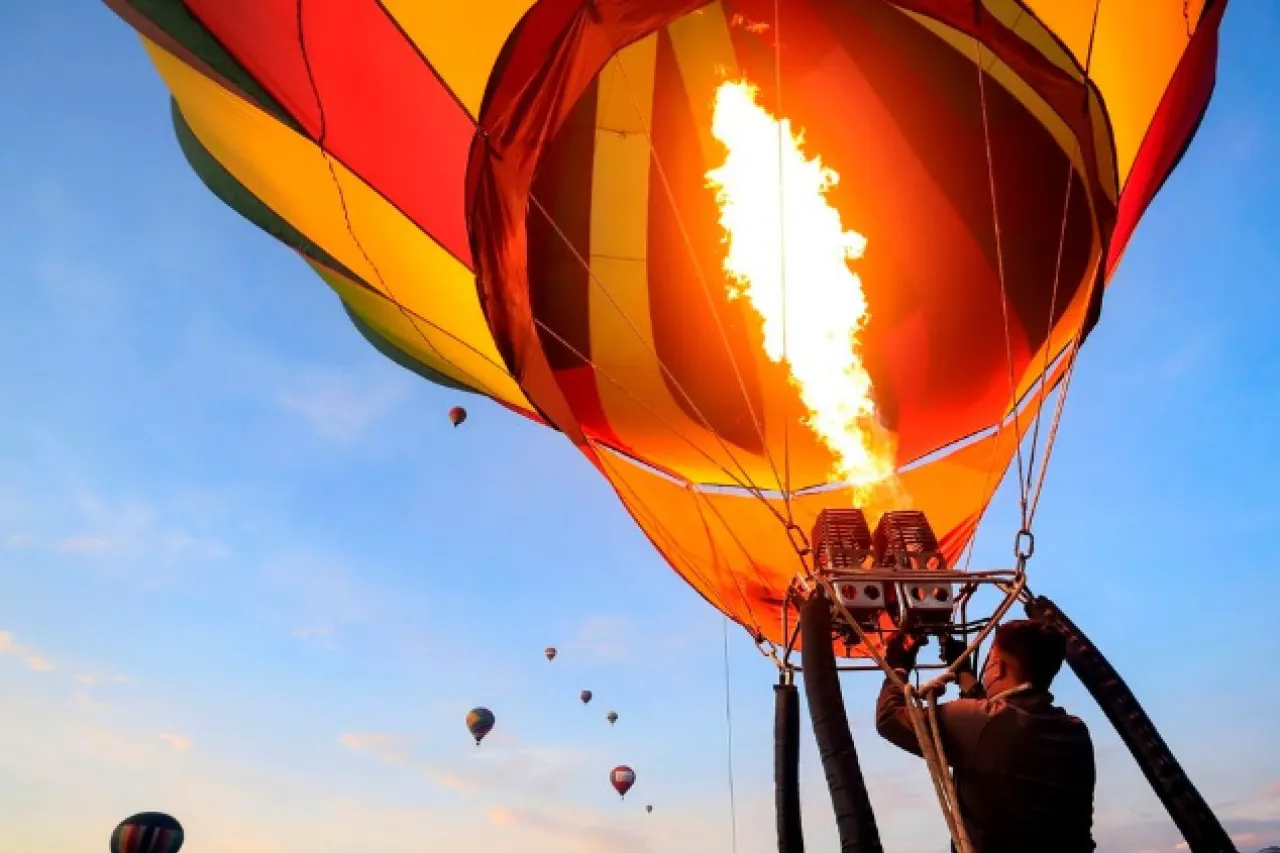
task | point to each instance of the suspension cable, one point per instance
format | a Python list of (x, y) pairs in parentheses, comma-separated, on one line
[(728, 716)]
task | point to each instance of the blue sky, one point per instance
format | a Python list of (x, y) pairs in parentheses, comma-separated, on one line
[(252, 577)]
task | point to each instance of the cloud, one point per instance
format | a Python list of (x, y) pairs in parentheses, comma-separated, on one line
[(319, 636), (340, 408), (84, 700), (604, 638), (92, 680), (29, 656), (127, 528), (388, 748), (176, 742), (570, 833)]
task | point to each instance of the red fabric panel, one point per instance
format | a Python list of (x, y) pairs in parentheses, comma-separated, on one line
[(386, 115), (1175, 121)]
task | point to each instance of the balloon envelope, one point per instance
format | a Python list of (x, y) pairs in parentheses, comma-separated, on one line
[(457, 415), (612, 717), (489, 236), (147, 832), (480, 722), (622, 778), (550, 653), (585, 696)]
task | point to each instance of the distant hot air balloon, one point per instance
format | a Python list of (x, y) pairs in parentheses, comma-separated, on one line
[(649, 809), (457, 415), (148, 832), (550, 653), (480, 722), (622, 777), (612, 717), (585, 696)]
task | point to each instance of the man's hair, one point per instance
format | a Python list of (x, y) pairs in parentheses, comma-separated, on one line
[(1035, 648)]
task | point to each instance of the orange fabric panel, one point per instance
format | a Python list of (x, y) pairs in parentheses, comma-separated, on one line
[(1136, 49), (734, 549)]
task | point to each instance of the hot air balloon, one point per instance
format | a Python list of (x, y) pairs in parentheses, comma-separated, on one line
[(732, 365), (550, 653), (622, 778), (457, 415), (649, 809), (147, 832), (493, 241), (585, 696), (480, 722), (612, 717)]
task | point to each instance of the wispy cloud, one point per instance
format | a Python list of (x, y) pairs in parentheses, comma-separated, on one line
[(571, 833), (178, 743), (30, 657), (341, 408), (127, 528), (387, 747)]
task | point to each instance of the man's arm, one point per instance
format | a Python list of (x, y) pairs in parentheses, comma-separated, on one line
[(893, 722), (962, 722)]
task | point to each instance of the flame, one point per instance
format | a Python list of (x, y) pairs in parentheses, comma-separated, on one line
[(825, 308)]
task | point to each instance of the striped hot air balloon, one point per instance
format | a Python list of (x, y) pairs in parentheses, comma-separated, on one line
[(147, 832)]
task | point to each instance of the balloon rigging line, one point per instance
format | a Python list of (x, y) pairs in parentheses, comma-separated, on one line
[(1000, 272), (346, 216), (639, 336), (605, 375), (1062, 393), (701, 276), (728, 715), (641, 504), (782, 243)]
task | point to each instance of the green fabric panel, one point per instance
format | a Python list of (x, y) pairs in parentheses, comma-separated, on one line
[(172, 17), (408, 362), (236, 196)]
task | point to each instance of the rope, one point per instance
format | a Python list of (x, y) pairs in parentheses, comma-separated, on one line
[(782, 240), (728, 716), (702, 280), (346, 218)]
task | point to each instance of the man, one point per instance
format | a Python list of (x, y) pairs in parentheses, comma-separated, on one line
[(1023, 768)]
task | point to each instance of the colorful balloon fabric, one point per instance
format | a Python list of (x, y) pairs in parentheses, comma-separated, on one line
[(442, 167), (622, 778), (480, 722), (147, 832)]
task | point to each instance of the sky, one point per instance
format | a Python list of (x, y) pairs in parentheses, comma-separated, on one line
[(252, 577)]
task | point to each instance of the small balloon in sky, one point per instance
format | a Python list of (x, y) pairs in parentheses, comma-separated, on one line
[(147, 832), (480, 722)]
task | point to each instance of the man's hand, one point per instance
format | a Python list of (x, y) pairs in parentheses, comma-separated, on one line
[(952, 649), (901, 649)]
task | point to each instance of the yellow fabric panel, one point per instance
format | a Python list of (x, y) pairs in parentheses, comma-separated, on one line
[(733, 548), (630, 383), (705, 55), (425, 342), (1136, 49), (289, 174), (461, 39)]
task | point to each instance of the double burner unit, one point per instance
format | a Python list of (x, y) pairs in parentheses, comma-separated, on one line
[(898, 571)]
